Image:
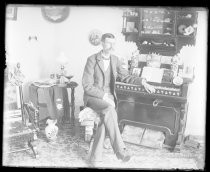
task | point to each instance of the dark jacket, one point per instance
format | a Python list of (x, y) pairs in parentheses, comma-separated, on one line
[(93, 77)]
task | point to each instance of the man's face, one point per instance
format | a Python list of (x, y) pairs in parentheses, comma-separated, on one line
[(108, 44)]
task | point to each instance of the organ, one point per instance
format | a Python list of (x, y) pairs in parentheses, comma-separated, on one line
[(165, 110)]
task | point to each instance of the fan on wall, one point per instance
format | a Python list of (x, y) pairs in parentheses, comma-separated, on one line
[(55, 14)]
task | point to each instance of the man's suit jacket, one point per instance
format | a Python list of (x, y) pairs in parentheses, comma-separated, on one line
[(93, 77)]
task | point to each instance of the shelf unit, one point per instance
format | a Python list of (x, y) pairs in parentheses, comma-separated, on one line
[(131, 22), (160, 30)]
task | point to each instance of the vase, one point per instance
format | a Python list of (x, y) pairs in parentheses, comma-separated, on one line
[(51, 130)]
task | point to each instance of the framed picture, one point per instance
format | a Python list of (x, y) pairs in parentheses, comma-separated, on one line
[(55, 14), (136, 71), (11, 12)]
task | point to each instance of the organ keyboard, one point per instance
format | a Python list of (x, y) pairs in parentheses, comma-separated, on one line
[(176, 93), (163, 90)]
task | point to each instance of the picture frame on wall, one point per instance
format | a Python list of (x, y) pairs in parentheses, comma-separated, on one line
[(11, 12), (55, 14)]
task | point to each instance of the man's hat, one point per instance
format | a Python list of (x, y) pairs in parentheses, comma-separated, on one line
[(109, 37)]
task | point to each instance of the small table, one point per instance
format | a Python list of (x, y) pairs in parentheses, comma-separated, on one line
[(53, 93)]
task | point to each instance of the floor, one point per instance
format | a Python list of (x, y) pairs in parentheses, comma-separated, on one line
[(70, 150)]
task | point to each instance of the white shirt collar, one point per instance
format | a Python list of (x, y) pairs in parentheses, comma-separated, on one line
[(105, 57)]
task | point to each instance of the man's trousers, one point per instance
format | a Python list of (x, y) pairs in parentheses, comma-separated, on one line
[(108, 126)]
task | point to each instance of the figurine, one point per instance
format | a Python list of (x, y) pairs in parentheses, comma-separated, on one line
[(15, 75)]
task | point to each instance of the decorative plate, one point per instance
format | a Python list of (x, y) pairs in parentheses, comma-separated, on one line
[(95, 37), (178, 81), (55, 14)]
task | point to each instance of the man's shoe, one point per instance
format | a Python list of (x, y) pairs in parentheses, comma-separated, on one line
[(123, 155), (95, 163)]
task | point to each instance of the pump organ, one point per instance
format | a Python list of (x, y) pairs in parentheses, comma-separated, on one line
[(165, 110)]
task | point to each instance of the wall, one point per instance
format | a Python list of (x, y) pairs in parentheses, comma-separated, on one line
[(38, 58), (196, 121)]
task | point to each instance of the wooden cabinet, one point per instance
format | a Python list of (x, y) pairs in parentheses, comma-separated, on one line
[(131, 24), (157, 22), (160, 30)]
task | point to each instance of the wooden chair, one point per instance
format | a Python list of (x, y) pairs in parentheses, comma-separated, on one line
[(31, 117), (90, 127), (22, 132), (22, 136)]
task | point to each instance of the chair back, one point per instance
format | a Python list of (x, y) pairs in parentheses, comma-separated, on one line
[(31, 113)]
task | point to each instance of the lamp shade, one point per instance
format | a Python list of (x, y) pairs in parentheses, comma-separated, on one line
[(62, 59)]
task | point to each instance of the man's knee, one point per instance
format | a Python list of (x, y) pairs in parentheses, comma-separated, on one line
[(109, 111)]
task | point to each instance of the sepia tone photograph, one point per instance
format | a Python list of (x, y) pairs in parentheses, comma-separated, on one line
[(105, 87)]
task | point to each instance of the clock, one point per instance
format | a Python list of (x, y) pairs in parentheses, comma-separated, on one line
[(55, 14)]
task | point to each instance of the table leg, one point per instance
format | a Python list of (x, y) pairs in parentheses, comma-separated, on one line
[(66, 106), (21, 102), (36, 121), (72, 106)]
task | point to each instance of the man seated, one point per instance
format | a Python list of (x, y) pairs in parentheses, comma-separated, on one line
[(100, 73)]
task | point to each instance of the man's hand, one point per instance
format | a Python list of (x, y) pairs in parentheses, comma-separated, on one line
[(108, 100), (149, 88)]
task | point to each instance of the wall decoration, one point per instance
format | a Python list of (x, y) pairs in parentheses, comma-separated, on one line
[(11, 12), (136, 71), (15, 75), (55, 14), (95, 37)]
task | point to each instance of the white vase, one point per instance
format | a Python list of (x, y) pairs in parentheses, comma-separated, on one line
[(51, 130)]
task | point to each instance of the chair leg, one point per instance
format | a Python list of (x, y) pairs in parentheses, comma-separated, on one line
[(36, 122), (90, 147), (142, 135), (88, 133), (35, 133), (33, 148), (36, 118)]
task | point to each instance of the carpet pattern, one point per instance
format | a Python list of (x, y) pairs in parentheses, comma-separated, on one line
[(70, 150)]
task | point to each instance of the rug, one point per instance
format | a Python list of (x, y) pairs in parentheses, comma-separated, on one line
[(70, 150)]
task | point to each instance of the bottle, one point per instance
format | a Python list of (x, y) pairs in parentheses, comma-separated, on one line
[(62, 75)]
